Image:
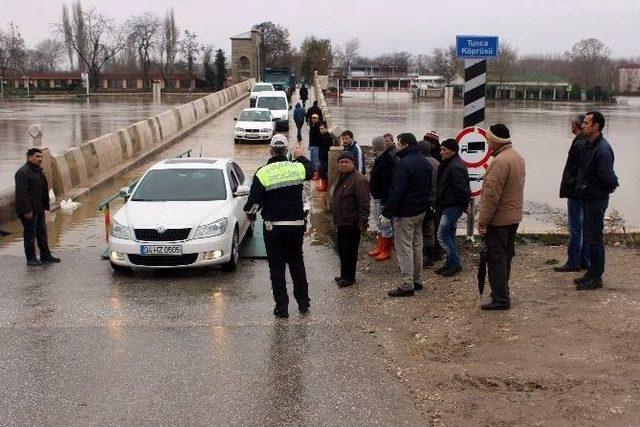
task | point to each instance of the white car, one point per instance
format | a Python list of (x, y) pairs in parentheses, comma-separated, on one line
[(254, 124), (256, 89), (185, 212), (278, 104)]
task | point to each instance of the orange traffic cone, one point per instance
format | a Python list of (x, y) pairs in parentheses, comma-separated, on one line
[(385, 253), (377, 249), (322, 185)]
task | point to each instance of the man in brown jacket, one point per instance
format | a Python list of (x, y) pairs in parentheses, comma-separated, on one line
[(350, 210), (500, 213)]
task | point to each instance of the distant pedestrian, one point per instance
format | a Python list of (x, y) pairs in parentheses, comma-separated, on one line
[(452, 199), (380, 185), (298, 119), (304, 94), (578, 249), (32, 200), (351, 145), (314, 109), (350, 210), (431, 221), (325, 142), (500, 212), (314, 141), (407, 204), (596, 181)]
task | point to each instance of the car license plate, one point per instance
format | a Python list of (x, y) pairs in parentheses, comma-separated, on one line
[(160, 250), (252, 135)]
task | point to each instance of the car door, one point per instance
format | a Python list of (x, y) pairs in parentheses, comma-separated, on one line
[(238, 202)]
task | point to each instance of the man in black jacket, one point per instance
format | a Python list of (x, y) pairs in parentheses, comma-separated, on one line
[(595, 182), (452, 199), (32, 200), (304, 94), (379, 184), (314, 109), (407, 204), (578, 249)]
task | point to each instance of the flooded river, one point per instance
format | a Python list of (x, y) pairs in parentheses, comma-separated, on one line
[(67, 123), (540, 131)]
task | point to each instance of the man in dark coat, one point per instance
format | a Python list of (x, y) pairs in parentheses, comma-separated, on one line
[(304, 94), (314, 109), (380, 184), (578, 249), (595, 182), (408, 201), (350, 210), (325, 141), (32, 200), (452, 200), (430, 246)]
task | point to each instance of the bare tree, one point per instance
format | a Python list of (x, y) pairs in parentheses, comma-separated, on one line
[(46, 55), (143, 35), (420, 63), (66, 25), (80, 33), (445, 63), (168, 46), (502, 67), (190, 48), (102, 42), (589, 58), (13, 52), (346, 55)]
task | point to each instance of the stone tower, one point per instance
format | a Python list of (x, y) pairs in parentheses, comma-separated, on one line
[(245, 56)]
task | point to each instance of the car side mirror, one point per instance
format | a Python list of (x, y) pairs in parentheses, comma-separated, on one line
[(125, 192), (242, 190)]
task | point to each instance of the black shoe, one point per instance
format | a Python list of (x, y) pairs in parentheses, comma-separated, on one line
[(397, 292), (427, 262), (439, 270), (565, 269), (344, 283), (451, 271), (337, 279), (417, 286), (582, 279), (34, 263), (282, 313), (49, 258), (590, 285), (303, 309), (495, 306)]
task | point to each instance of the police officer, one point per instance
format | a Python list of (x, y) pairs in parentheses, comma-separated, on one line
[(277, 190)]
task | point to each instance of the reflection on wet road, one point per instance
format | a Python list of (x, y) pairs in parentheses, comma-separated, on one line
[(82, 345)]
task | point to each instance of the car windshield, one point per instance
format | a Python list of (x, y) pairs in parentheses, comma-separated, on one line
[(272, 102), (255, 116), (181, 185), (262, 88)]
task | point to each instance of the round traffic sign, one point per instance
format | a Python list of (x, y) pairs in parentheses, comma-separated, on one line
[(476, 175), (474, 149)]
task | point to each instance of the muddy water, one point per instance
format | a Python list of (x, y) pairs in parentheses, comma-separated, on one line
[(67, 123), (540, 131)]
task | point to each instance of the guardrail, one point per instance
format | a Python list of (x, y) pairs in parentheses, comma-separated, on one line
[(106, 211)]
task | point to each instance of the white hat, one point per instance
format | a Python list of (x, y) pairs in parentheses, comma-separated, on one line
[(279, 140)]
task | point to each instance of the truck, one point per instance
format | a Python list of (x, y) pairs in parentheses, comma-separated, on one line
[(281, 78)]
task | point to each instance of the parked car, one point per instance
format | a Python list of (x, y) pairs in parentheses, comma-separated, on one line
[(254, 124), (184, 212), (278, 104), (256, 89)]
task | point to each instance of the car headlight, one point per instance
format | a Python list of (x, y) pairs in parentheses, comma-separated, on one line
[(119, 230), (265, 130), (213, 229), (237, 129)]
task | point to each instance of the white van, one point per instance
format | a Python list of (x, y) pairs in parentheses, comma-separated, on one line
[(255, 91), (277, 102)]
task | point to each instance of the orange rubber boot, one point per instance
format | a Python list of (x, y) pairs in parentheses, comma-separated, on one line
[(377, 249), (385, 253)]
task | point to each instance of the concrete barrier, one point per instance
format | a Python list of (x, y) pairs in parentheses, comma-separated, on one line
[(187, 114), (200, 108)]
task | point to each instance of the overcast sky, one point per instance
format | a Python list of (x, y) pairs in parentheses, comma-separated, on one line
[(532, 26)]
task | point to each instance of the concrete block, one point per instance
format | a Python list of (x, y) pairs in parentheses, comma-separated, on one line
[(187, 114), (167, 122), (62, 183), (199, 107), (145, 134), (7, 205)]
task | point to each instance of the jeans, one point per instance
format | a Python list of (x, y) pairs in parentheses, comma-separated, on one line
[(578, 250), (407, 239), (594, 210), (284, 246), (35, 229), (299, 136), (447, 235), (386, 232), (314, 153), (500, 241), (348, 244)]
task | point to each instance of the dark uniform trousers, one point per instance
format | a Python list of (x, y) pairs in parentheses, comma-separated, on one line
[(35, 229), (348, 243), (284, 246), (500, 242)]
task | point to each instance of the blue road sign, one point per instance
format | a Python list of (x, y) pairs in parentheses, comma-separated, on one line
[(478, 47)]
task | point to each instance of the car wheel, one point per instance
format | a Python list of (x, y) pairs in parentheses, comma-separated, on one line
[(236, 140), (232, 264), (120, 268)]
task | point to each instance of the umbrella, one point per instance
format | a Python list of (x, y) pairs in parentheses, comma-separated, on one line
[(482, 268)]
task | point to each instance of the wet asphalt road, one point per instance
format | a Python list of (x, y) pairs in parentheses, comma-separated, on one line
[(84, 346)]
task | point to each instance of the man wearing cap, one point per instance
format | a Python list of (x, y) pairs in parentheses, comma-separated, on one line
[(350, 211), (407, 204), (431, 219), (452, 199), (500, 212), (277, 191)]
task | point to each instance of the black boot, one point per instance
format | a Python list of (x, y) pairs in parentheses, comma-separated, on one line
[(428, 259)]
